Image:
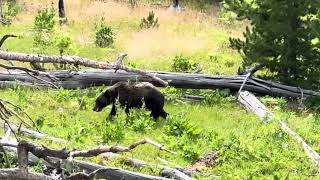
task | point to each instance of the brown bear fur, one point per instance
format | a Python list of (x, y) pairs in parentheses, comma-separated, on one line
[(132, 95)]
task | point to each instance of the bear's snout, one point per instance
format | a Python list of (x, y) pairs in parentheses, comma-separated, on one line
[(97, 109)]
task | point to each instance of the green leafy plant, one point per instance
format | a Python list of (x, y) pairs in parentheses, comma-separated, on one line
[(183, 64), (45, 20), (64, 44), (10, 10), (178, 125), (44, 27), (139, 120), (114, 131), (104, 34), (149, 22)]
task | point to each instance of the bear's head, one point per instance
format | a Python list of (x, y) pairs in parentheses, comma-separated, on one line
[(103, 100)]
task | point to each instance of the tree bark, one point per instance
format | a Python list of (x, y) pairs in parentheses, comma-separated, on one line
[(76, 60), (15, 173), (176, 3), (1, 10), (95, 170), (89, 78), (62, 13)]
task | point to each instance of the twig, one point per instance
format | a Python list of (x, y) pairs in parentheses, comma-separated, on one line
[(20, 109), (43, 80), (5, 114), (35, 74), (19, 117)]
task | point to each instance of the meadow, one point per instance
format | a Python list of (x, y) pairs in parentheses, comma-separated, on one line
[(247, 147)]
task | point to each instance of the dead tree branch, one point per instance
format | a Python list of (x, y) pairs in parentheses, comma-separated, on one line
[(35, 74), (43, 152), (76, 60), (5, 37), (95, 171)]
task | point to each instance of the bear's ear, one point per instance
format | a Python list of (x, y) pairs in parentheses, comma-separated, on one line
[(107, 93)]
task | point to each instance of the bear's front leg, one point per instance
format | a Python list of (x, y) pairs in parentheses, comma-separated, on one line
[(113, 111)]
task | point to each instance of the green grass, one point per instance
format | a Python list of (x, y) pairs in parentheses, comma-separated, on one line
[(248, 148)]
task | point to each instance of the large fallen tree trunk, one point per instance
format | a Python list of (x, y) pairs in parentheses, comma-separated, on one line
[(76, 60), (88, 78)]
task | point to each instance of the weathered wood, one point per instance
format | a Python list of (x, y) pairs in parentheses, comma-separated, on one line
[(76, 60), (89, 78), (113, 173), (313, 155), (105, 172), (165, 171), (15, 173), (250, 102)]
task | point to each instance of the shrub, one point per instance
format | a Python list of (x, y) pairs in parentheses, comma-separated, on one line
[(114, 131), (45, 20), (178, 125), (10, 10), (140, 120), (63, 42), (283, 36), (104, 34), (150, 22), (44, 26), (183, 64)]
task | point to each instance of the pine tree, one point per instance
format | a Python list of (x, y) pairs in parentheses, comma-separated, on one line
[(283, 35)]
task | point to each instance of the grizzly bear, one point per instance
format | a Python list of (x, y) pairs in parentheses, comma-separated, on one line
[(132, 95)]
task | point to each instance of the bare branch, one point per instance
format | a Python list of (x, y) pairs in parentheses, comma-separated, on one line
[(35, 74), (5, 37), (76, 60), (43, 151), (116, 149)]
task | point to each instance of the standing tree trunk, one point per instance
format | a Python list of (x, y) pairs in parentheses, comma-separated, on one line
[(62, 14), (176, 3), (1, 11)]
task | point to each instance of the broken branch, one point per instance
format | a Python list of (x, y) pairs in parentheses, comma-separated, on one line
[(76, 60)]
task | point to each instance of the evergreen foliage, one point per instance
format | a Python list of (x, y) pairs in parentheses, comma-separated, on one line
[(283, 35)]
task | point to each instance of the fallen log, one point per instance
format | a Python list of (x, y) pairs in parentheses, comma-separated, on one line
[(251, 103), (15, 173), (89, 78), (165, 171), (93, 170), (76, 60)]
